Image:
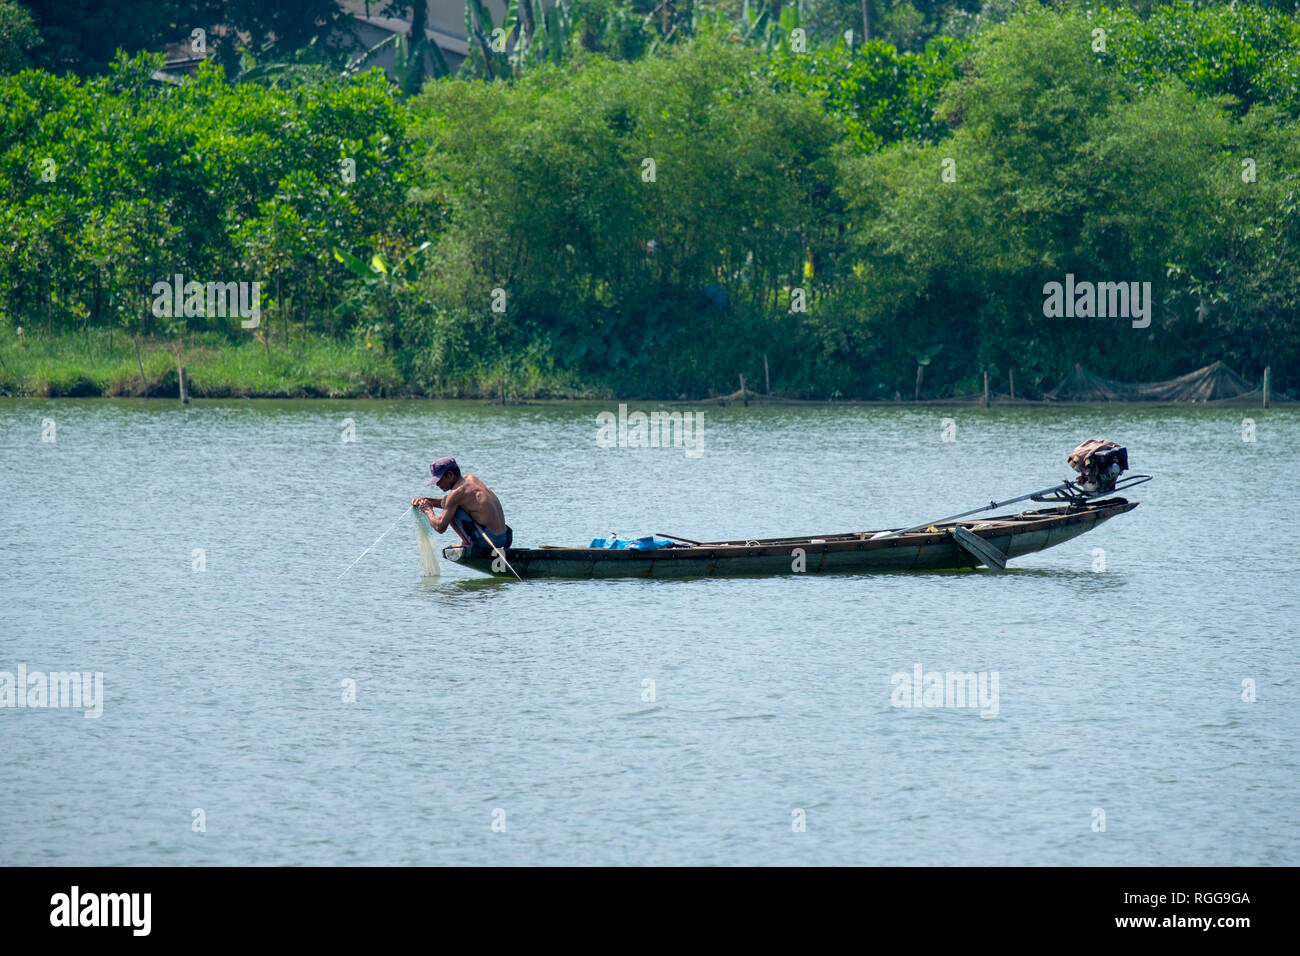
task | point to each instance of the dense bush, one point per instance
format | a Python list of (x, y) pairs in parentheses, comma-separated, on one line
[(112, 184)]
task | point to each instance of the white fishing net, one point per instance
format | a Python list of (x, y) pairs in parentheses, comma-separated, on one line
[(428, 556)]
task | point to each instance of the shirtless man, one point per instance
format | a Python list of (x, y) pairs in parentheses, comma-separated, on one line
[(469, 507)]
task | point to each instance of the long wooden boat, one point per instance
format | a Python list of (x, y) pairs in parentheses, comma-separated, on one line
[(948, 545)]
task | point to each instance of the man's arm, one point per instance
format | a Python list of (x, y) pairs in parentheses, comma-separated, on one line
[(426, 505), (449, 504)]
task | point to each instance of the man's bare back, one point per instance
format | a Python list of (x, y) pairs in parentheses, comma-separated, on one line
[(466, 494), (479, 500)]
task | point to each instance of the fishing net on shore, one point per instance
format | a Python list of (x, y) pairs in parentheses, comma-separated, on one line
[(428, 557), (1215, 382)]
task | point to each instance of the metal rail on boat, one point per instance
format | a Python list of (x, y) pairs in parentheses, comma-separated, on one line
[(1065, 491)]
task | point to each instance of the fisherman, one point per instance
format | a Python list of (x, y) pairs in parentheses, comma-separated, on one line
[(469, 507)]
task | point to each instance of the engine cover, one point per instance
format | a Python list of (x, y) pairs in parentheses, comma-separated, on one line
[(1099, 463)]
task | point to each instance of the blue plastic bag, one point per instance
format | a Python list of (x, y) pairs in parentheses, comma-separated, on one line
[(646, 543)]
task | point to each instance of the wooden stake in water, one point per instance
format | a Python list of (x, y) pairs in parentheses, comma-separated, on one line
[(144, 382), (1266, 386), (377, 540)]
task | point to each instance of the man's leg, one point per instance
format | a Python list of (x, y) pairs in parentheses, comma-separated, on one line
[(467, 528)]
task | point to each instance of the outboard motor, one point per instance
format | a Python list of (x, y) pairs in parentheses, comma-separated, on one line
[(1099, 464)]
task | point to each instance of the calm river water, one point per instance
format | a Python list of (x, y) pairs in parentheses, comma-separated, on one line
[(192, 556)]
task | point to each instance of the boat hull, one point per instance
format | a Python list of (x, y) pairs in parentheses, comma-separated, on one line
[(928, 550)]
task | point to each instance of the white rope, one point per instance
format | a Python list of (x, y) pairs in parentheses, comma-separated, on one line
[(377, 540)]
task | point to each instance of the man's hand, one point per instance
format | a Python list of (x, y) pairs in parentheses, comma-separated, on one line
[(425, 503)]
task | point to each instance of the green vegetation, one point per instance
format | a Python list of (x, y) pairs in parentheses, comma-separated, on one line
[(651, 205), (1063, 164), (75, 364)]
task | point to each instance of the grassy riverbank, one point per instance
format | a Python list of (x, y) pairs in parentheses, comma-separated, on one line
[(99, 364), (95, 364)]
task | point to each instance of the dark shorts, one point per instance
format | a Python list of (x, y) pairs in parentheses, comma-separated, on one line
[(480, 537)]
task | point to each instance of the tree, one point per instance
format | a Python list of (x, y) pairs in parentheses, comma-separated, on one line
[(18, 36)]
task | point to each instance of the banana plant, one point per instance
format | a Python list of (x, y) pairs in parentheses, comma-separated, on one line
[(382, 286), (478, 28), (755, 26), (526, 36), (408, 61), (558, 23), (754, 22), (378, 271)]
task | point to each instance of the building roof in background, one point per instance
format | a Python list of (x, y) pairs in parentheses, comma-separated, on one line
[(446, 17), (376, 22)]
